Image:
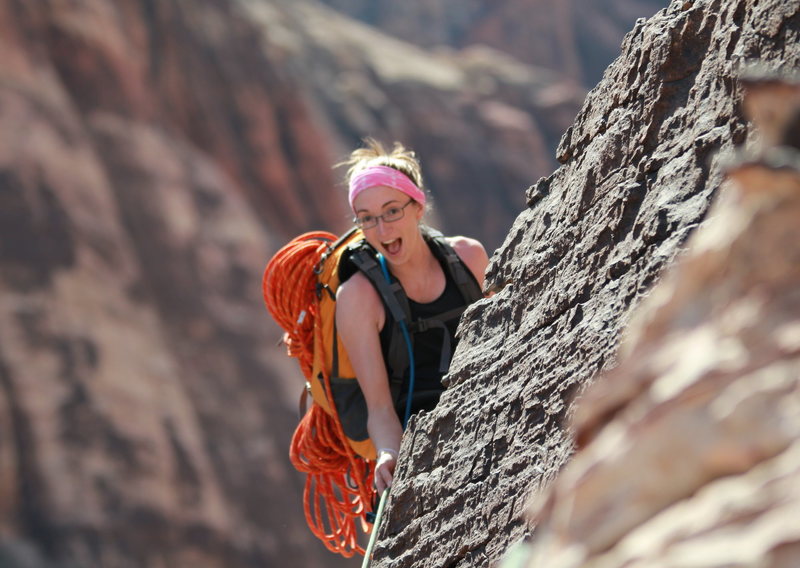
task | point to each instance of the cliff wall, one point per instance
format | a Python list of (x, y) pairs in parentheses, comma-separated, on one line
[(640, 168), (688, 449), (576, 38), (153, 155), (142, 423)]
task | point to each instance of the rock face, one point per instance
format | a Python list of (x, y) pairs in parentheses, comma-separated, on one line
[(641, 166), (704, 406), (153, 155), (577, 38)]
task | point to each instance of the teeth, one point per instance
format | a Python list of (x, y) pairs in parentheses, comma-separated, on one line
[(387, 243)]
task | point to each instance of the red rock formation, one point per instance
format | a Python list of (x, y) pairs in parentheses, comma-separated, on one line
[(483, 124), (193, 70), (576, 38), (152, 156), (146, 163)]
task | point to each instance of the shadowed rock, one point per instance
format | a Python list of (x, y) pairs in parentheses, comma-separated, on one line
[(576, 38)]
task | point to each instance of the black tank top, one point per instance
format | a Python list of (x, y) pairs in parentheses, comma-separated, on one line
[(427, 349)]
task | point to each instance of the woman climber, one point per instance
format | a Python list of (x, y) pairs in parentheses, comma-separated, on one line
[(388, 200)]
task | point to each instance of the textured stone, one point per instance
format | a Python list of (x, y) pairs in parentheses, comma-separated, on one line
[(641, 166), (704, 406), (152, 156), (142, 421)]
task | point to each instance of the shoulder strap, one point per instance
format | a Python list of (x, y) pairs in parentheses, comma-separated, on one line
[(455, 267), (395, 299), (391, 292)]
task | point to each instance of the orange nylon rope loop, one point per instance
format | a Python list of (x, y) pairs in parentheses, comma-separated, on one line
[(331, 501)]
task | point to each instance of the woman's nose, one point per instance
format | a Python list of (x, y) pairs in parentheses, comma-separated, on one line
[(382, 226)]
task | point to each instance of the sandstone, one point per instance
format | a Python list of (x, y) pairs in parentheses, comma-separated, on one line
[(443, 104), (152, 157), (142, 422)]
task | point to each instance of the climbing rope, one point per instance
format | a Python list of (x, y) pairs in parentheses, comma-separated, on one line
[(376, 525), (289, 287), (338, 482)]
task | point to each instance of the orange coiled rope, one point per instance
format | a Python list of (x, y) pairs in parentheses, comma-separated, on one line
[(338, 486), (289, 287)]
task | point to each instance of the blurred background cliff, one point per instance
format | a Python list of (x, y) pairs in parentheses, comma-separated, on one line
[(153, 155)]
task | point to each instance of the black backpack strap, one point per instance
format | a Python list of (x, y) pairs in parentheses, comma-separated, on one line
[(394, 297), (424, 324), (363, 257), (458, 271), (391, 292)]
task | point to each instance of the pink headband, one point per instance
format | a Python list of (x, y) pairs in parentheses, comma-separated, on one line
[(374, 176)]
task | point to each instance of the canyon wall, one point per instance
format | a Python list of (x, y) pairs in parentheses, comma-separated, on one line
[(576, 38), (641, 167), (143, 422), (153, 155), (483, 124)]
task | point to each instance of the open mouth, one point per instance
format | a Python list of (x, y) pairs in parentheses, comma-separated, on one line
[(393, 247)]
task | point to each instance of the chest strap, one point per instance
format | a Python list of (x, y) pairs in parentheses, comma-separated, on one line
[(394, 298), (438, 322)]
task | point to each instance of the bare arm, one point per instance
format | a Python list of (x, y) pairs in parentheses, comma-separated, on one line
[(359, 318)]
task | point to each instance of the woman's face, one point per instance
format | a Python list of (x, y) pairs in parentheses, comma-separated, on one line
[(396, 240)]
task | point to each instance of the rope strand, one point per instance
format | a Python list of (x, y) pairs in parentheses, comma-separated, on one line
[(336, 493)]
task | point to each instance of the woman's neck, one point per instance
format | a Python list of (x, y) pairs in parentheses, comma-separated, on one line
[(420, 272)]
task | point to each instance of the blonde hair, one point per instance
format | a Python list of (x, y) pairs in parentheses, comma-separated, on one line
[(374, 154)]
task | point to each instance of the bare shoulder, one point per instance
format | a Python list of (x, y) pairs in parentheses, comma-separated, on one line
[(472, 252), (358, 298)]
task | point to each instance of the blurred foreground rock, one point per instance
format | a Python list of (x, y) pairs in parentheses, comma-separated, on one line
[(690, 448)]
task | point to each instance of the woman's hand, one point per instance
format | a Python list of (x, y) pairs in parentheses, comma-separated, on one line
[(384, 469), (359, 318)]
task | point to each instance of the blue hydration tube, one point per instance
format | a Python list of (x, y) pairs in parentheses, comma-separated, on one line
[(407, 337)]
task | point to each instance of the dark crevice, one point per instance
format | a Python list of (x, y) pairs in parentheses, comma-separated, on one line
[(187, 478), (33, 513), (35, 233)]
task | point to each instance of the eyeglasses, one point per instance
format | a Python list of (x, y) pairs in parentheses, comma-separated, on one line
[(389, 216)]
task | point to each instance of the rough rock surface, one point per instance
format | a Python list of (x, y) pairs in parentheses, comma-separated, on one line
[(690, 448), (641, 166), (578, 38)]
